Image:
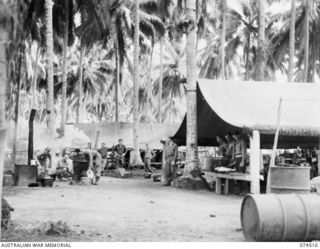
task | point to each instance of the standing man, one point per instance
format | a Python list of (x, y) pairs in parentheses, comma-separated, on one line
[(94, 159), (104, 154), (120, 151), (230, 155), (171, 156), (149, 154), (240, 153)]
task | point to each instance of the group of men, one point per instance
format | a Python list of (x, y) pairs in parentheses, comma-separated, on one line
[(233, 150), (61, 166)]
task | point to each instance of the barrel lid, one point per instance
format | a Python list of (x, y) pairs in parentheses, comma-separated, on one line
[(250, 220)]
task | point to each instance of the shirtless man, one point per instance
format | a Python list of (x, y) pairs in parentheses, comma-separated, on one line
[(95, 161), (240, 151)]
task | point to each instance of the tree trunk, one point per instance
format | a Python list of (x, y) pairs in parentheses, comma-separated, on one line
[(4, 37), (49, 43), (261, 54), (34, 80), (247, 76), (223, 39), (306, 45), (136, 151), (171, 107), (3, 76), (16, 111), (116, 99), (64, 74), (292, 39), (149, 84), (79, 118), (160, 82), (192, 146)]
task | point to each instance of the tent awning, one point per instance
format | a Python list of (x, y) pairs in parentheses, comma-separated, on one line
[(228, 106)]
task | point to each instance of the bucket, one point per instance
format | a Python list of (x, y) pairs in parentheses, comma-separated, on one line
[(87, 180), (24, 174), (273, 217), (287, 180)]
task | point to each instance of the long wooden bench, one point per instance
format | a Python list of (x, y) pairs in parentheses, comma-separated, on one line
[(227, 176)]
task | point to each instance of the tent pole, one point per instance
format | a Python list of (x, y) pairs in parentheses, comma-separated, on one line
[(275, 144), (255, 162)]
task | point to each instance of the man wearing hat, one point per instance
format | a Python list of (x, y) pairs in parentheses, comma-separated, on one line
[(120, 151), (171, 156)]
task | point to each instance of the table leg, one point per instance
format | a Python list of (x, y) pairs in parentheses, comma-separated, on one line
[(226, 187), (218, 186)]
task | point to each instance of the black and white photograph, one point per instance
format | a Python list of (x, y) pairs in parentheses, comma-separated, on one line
[(159, 121)]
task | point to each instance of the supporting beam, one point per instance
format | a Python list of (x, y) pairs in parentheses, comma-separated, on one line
[(255, 162)]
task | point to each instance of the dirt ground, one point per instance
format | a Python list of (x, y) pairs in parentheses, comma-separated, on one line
[(134, 209)]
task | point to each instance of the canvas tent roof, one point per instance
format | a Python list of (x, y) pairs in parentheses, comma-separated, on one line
[(228, 106)]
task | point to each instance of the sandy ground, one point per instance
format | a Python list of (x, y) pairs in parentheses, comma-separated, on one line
[(126, 210)]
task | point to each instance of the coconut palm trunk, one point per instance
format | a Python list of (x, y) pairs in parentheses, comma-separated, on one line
[(16, 110), (116, 99), (192, 145), (49, 44), (136, 160), (261, 55), (64, 73), (160, 82), (292, 39), (223, 39), (34, 80), (149, 83), (4, 39), (306, 44), (79, 118)]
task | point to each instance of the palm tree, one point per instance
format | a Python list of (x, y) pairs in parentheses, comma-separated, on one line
[(192, 147), (49, 42), (281, 41), (5, 24), (223, 38), (79, 117), (174, 79), (136, 152), (292, 40), (306, 43), (259, 73), (64, 66)]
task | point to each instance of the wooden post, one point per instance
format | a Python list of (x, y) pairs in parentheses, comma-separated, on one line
[(255, 162), (275, 144)]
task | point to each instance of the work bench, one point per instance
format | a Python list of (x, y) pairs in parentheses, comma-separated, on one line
[(228, 176)]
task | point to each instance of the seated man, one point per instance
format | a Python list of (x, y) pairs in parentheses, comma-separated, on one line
[(63, 171), (44, 162)]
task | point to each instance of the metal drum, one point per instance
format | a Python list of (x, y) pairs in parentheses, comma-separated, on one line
[(24, 175), (273, 217), (287, 180)]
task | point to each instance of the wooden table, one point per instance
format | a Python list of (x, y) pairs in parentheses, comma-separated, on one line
[(227, 176)]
